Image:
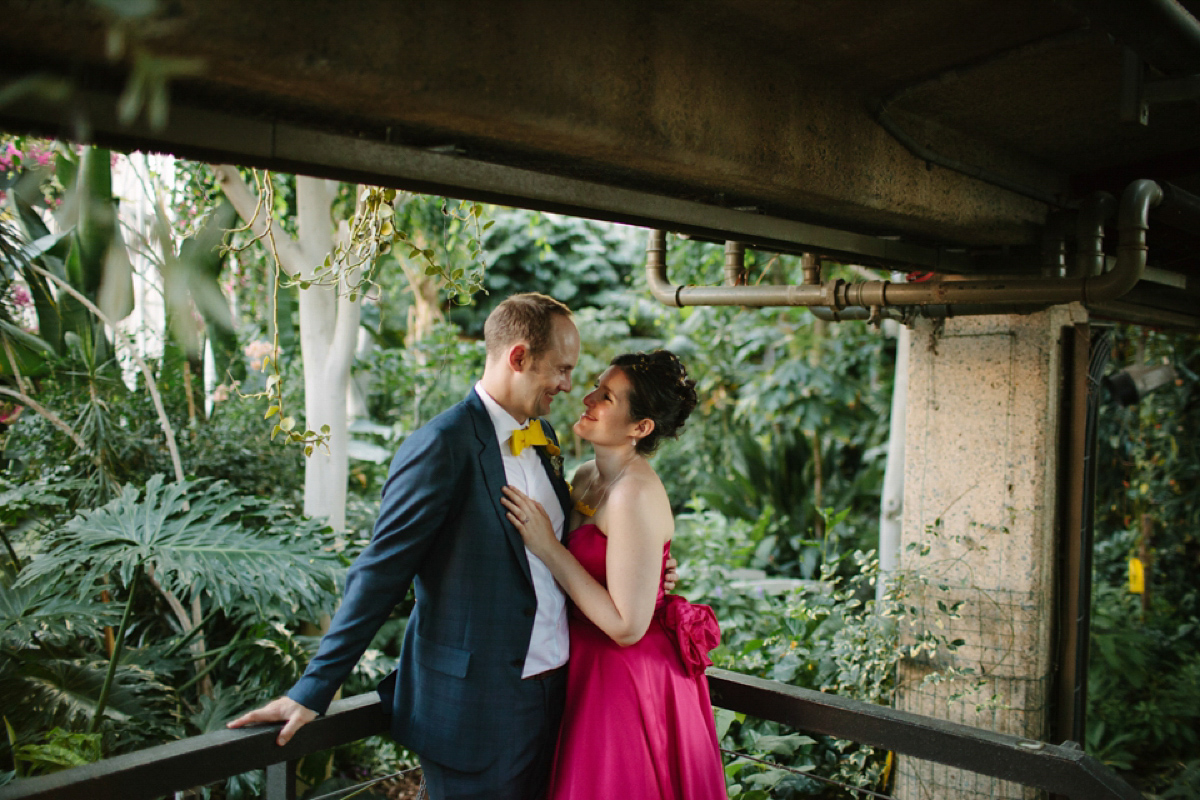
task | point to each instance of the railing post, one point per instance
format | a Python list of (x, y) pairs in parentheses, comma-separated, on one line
[(281, 781)]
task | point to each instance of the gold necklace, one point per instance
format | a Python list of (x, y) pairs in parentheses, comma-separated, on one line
[(590, 511)]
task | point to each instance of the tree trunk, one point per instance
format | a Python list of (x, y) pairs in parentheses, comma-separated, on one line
[(328, 325), (891, 501)]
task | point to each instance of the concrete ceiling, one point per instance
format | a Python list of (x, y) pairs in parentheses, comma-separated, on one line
[(939, 134)]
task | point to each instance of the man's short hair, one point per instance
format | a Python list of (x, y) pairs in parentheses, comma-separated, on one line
[(525, 317)]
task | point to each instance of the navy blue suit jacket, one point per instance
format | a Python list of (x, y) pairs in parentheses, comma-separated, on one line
[(442, 529)]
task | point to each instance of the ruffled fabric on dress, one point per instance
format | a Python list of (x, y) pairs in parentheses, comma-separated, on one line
[(693, 629)]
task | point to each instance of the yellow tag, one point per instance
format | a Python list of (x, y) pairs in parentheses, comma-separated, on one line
[(1137, 576)]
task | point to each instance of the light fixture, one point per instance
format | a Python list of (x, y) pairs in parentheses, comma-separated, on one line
[(1131, 384)]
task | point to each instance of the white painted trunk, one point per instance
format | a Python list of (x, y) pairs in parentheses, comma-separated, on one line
[(891, 505), (328, 333), (325, 474), (328, 329)]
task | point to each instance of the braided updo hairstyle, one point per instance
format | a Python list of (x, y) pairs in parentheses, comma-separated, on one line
[(661, 392)]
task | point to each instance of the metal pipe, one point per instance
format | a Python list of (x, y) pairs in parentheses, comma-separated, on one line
[(1133, 220), (1054, 245), (1089, 233), (1180, 209), (1004, 293), (856, 314), (810, 264), (735, 264)]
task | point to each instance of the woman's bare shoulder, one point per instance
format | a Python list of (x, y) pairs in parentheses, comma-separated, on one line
[(584, 474), (641, 497)]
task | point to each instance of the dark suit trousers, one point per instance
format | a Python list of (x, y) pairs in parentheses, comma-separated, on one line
[(522, 769)]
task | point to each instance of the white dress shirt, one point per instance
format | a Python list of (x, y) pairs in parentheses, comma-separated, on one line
[(549, 645)]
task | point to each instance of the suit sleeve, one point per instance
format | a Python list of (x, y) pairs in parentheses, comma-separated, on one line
[(418, 497)]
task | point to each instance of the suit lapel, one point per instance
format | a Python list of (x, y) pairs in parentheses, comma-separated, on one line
[(556, 480), (491, 466)]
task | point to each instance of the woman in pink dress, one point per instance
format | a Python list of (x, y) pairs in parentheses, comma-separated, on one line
[(638, 723)]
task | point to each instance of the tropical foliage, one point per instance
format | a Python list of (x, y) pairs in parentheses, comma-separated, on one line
[(163, 573), (1144, 686)]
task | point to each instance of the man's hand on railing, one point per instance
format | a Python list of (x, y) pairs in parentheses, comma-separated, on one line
[(285, 710)]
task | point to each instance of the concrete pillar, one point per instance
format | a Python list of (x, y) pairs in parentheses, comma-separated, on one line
[(978, 536)]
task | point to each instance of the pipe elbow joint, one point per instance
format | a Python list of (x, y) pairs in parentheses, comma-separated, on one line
[(656, 270), (1133, 220), (1137, 200)]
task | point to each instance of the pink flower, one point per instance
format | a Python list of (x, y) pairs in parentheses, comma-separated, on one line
[(694, 630), (43, 158), (9, 414), (19, 294), (257, 351), (220, 394)]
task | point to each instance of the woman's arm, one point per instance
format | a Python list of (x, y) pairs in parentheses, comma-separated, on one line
[(637, 521)]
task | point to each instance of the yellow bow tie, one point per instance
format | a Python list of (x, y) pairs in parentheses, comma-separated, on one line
[(531, 436)]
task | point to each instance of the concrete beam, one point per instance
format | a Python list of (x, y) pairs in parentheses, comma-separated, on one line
[(614, 93)]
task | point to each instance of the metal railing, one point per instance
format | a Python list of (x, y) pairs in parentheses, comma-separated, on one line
[(1061, 769)]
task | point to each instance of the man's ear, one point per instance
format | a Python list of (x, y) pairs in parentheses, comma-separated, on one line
[(518, 357)]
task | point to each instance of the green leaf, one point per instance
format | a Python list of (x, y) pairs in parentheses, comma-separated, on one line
[(188, 531)]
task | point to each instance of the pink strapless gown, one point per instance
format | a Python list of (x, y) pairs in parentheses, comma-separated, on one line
[(638, 723)]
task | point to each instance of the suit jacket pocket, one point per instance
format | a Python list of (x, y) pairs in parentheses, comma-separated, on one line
[(448, 660)]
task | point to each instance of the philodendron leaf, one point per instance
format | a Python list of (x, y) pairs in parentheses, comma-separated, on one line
[(190, 533)]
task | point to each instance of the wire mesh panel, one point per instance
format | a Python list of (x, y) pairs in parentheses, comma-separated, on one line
[(978, 682), (928, 780)]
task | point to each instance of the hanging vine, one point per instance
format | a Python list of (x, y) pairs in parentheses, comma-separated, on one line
[(351, 267)]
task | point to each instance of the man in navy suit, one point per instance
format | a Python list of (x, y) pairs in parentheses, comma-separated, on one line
[(478, 690)]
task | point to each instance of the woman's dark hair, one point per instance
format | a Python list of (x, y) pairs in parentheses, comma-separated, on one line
[(661, 392)]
